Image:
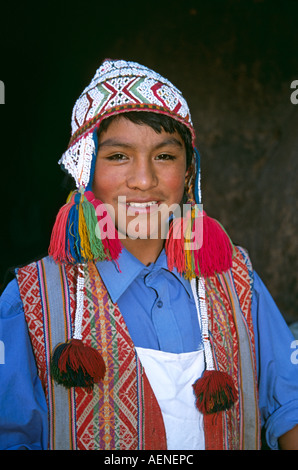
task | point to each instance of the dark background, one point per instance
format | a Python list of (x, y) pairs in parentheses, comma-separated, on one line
[(234, 61)]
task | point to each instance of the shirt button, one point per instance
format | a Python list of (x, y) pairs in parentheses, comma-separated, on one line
[(159, 304)]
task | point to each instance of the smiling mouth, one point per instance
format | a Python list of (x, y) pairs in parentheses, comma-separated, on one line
[(141, 205), (146, 207)]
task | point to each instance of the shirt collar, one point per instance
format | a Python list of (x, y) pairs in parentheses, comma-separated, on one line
[(117, 277)]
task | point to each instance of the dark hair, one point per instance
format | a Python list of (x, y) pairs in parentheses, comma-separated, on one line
[(157, 122)]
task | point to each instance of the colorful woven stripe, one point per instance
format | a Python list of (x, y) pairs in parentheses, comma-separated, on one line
[(230, 324), (43, 330)]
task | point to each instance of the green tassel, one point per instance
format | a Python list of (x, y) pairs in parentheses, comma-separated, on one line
[(96, 245)]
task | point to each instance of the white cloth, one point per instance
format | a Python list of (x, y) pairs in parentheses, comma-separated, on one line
[(171, 377)]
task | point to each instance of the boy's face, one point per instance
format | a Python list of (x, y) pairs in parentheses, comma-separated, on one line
[(146, 170)]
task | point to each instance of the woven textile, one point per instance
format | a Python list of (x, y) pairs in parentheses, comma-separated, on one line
[(122, 411), (231, 332)]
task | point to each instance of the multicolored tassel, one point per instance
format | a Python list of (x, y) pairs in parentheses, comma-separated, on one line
[(215, 390), (108, 233), (198, 245), (78, 234), (73, 363)]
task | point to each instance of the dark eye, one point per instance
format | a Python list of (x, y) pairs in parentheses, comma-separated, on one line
[(117, 157), (165, 156)]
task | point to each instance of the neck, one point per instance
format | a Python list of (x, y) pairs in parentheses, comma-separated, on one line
[(145, 250)]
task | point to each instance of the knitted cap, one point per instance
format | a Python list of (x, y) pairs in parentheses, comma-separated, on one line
[(118, 86)]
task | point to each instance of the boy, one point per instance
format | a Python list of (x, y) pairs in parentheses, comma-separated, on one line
[(149, 329)]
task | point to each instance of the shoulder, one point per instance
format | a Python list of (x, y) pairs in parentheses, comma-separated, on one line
[(242, 271), (37, 272), (242, 255), (11, 303), (10, 300), (26, 277)]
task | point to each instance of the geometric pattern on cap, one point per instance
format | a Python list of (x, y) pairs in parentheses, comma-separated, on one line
[(117, 86)]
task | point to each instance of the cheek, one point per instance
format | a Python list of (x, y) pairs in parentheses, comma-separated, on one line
[(174, 184), (104, 183)]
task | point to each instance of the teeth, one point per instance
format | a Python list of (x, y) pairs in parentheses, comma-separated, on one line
[(142, 204)]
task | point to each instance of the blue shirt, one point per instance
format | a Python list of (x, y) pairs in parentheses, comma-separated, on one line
[(151, 300)]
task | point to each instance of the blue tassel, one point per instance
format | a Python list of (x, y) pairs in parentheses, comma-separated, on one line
[(72, 233), (198, 198)]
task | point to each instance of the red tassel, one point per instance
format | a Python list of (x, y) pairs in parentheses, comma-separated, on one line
[(204, 255), (215, 255), (174, 246), (215, 391), (77, 365), (77, 355), (58, 249)]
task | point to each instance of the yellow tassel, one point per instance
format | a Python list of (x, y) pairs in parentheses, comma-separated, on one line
[(83, 233), (189, 272), (70, 196)]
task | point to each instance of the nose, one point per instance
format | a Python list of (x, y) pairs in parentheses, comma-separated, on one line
[(142, 175)]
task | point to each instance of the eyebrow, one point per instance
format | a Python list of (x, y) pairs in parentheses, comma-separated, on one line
[(114, 142)]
